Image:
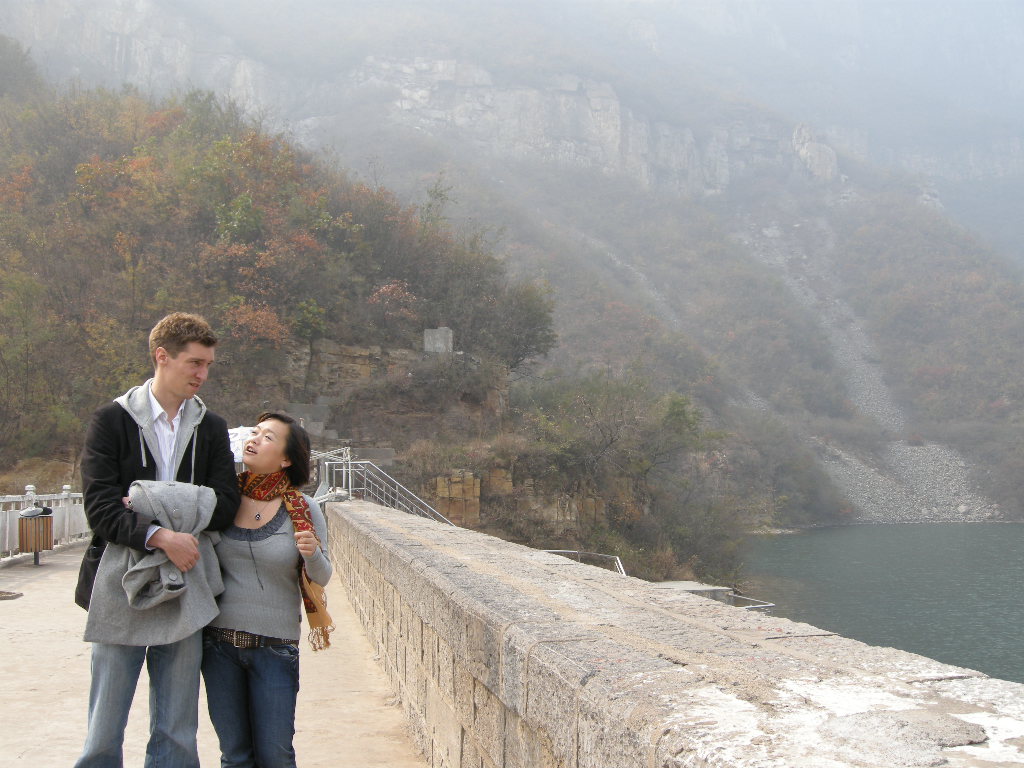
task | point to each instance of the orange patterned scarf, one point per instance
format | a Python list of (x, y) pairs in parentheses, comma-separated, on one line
[(314, 599)]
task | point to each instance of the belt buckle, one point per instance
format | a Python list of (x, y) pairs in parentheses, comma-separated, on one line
[(239, 639)]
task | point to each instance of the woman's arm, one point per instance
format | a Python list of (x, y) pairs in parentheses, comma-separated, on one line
[(318, 563)]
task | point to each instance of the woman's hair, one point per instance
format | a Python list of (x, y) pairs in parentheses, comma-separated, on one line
[(297, 448)]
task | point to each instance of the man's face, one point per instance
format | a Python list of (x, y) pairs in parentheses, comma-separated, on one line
[(183, 375)]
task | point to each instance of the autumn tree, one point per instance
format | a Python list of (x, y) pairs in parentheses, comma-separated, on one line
[(116, 209)]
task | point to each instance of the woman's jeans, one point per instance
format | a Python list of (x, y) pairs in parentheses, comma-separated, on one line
[(173, 703), (251, 695)]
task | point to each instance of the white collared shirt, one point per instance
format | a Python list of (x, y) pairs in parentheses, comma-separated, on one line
[(166, 432)]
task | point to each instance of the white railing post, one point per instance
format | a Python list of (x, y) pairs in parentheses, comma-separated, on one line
[(30, 500), (346, 470), (65, 503)]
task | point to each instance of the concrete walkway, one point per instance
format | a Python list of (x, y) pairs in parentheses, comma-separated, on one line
[(347, 717)]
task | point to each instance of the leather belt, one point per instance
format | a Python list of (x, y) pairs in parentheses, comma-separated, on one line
[(241, 639)]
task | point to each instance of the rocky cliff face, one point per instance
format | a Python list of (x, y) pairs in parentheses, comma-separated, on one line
[(556, 118), (151, 45), (569, 118), (579, 122)]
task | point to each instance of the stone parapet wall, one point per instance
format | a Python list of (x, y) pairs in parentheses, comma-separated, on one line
[(508, 657)]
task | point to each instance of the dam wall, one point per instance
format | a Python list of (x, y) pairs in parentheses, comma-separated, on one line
[(508, 657)]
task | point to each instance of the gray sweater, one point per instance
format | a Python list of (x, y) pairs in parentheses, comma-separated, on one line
[(260, 569), (140, 598)]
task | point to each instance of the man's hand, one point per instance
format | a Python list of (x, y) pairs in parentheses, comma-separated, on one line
[(182, 549)]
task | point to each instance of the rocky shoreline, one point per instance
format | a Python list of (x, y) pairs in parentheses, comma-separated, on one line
[(911, 484), (926, 483)]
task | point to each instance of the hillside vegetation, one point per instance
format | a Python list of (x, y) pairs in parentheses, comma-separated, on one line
[(115, 209), (696, 383)]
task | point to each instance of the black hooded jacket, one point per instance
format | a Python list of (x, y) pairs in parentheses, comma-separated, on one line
[(116, 453)]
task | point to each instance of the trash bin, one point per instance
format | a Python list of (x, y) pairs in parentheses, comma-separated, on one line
[(35, 531)]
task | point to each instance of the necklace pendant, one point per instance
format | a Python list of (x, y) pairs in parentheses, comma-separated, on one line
[(258, 516)]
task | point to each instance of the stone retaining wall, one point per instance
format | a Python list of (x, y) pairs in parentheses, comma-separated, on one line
[(507, 657)]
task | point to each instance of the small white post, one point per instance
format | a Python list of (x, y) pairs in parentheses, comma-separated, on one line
[(65, 502)]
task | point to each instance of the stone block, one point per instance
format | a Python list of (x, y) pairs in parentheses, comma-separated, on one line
[(489, 714), (446, 670), (471, 757), (548, 667), (393, 645), (444, 729), (389, 597), (481, 650), (621, 716), (526, 747), (465, 708), (415, 686), (402, 662), (414, 636), (429, 652), (418, 731)]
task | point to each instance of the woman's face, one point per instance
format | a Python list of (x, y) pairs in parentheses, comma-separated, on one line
[(264, 451)]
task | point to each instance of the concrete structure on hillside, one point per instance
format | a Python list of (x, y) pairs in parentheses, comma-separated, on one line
[(508, 657), (439, 341)]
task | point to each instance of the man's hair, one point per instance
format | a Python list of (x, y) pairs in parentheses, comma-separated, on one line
[(297, 448), (177, 330)]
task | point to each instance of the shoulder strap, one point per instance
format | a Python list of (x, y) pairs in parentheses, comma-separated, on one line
[(314, 598)]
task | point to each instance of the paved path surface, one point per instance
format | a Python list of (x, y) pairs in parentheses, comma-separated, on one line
[(347, 717)]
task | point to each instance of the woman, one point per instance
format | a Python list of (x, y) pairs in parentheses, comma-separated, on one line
[(250, 651)]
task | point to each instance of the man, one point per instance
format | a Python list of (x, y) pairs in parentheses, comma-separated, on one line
[(157, 431)]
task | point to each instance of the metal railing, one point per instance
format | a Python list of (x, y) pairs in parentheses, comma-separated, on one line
[(330, 486), (69, 521), (750, 603), (342, 477), (613, 561)]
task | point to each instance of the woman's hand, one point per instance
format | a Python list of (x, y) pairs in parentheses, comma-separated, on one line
[(306, 542)]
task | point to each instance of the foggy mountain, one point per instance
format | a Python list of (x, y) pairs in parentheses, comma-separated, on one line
[(773, 184)]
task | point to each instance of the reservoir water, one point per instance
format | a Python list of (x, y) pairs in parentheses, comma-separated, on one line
[(953, 592)]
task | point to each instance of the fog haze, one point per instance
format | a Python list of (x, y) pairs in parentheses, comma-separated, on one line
[(807, 193)]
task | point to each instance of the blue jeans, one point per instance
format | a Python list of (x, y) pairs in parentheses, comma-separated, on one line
[(251, 695), (173, 703)]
